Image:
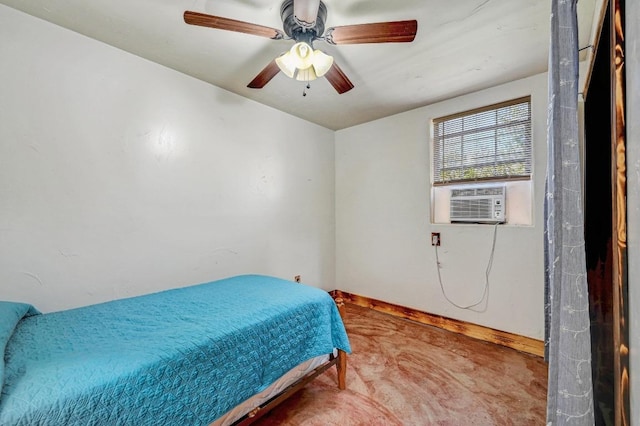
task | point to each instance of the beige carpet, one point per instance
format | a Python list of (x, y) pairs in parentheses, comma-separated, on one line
[(404, 373)]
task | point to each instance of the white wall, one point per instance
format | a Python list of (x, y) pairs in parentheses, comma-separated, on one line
[(120, 177), (383, 223)]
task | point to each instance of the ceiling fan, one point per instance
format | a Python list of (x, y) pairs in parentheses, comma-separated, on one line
[(303, 21)]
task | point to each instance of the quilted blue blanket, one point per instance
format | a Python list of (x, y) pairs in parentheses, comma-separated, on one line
[(178, 357)]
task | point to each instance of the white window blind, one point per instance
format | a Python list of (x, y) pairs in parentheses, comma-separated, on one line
[(491, 143)]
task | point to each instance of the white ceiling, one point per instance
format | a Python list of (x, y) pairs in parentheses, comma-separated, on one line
[(461, 46)]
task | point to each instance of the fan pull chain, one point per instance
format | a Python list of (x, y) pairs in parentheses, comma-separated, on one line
[(304, 91)]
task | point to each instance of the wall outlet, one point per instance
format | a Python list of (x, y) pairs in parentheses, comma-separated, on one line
[(435, 238)]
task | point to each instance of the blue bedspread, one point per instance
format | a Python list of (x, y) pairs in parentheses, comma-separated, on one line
[(178, 357)]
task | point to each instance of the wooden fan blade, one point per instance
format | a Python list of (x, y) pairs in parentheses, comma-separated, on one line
[(338, 79), (211, 21), (264, 76), (379, 32)]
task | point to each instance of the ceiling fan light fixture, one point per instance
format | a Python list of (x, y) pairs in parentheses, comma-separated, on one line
[(309, 64), (302, 54), (307, 74), (321, 62), (286, 63)]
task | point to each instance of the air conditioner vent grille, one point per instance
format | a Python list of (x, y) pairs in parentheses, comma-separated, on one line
[(478, 204), (470, 209)]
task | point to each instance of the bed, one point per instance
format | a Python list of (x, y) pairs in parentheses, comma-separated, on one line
[(212, 353)]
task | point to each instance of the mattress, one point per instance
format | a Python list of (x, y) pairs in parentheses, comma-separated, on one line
[(183, 356)]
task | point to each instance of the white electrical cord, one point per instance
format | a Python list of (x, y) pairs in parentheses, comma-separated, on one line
[(486, 275)]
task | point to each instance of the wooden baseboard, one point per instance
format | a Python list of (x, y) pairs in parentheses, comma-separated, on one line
[(510, 340)]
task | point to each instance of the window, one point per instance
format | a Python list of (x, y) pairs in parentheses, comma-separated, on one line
[(486, 144)]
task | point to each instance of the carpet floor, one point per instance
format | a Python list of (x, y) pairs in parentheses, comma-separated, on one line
[(405, 373)]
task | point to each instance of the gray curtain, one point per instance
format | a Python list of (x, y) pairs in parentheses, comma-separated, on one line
[(568, 340)]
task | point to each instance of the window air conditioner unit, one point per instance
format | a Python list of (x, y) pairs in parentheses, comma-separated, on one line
[(480, 204)]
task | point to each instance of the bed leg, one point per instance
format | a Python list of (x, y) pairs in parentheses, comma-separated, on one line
[(341, 366)]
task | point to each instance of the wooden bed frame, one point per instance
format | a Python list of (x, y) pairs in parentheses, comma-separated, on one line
[(339, 361)]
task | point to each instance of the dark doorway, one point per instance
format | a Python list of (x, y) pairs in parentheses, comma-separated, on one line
[(598, 227)]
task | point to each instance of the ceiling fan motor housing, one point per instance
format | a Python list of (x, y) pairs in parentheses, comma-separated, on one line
[(298, 32)]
